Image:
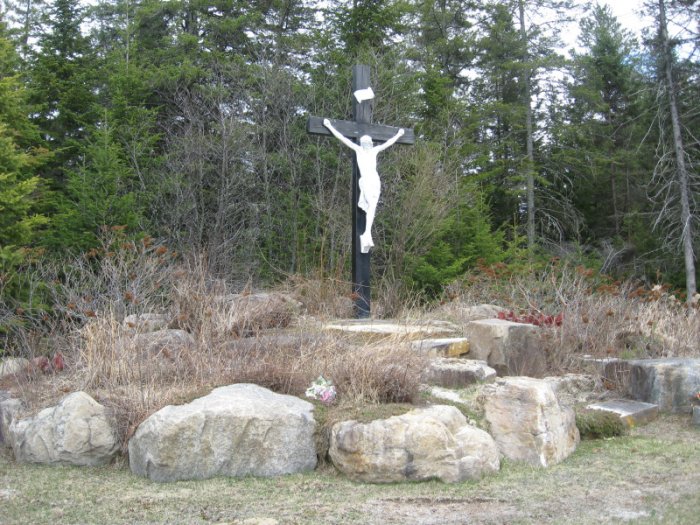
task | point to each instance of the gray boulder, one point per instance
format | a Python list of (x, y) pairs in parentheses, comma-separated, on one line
[(527, 421), (77, 431), (236, 430), (426, 443), (670, 383), (511, 348)]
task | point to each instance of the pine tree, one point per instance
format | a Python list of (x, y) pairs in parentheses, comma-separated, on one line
[(600, 148), (63, 87), (20, 159)]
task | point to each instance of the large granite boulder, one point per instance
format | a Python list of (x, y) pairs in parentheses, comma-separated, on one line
[(426, 443), (77, 431), (236, 430), (511, 348), (528, 422), (673, 384)]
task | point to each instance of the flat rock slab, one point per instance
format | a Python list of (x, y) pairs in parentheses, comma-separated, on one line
[(632, 413), (386, 327), (458, 373), (237, 430), (445, 347), (670, 383)]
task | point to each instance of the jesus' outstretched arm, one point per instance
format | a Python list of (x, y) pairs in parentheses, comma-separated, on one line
[(389, 142), (350, 144)]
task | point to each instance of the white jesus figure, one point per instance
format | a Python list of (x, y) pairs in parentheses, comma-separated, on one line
[(366, 153)]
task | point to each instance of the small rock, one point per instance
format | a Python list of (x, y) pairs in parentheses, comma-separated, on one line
[(146, 322), (77, 431), (245, 314), (481, 311), (696, 416), (9, 410), (164, 343), (426, 443), (8, 494), (13, 365), (572, 389)]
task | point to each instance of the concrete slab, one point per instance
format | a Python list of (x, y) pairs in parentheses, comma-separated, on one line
[(458, 373), (445, 347), (632, 413), (388, 327)]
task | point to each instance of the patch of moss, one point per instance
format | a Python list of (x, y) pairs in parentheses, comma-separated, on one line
[(598, 424)]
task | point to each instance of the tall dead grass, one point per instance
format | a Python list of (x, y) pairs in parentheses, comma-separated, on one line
[(218, 338)]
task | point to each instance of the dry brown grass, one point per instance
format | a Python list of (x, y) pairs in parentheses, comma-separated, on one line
[(222, 338), (601, 318), (234, 338)]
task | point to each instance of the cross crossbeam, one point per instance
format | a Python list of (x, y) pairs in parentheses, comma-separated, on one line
[(354, 130)]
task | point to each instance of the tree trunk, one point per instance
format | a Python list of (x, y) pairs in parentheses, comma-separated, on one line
[(679, 154), (530, 161)]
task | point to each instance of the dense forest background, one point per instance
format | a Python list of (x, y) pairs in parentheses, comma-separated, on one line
[(184, 121)]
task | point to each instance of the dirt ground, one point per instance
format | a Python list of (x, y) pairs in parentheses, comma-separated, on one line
[(650, 476)]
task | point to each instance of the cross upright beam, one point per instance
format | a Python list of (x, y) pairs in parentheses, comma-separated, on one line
[(359, 126)]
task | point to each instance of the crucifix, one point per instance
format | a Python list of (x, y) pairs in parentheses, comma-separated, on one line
[(365, 181)]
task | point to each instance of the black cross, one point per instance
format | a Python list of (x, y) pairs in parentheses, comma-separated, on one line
[(359, 126)]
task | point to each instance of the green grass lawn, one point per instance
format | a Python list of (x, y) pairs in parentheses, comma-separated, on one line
[(650, 476)]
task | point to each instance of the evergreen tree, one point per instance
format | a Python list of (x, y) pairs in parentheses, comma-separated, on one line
[(601, 140), (62, 77), (20, 158)]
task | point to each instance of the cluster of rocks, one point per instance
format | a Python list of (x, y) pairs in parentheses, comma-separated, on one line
[(244, 429)]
